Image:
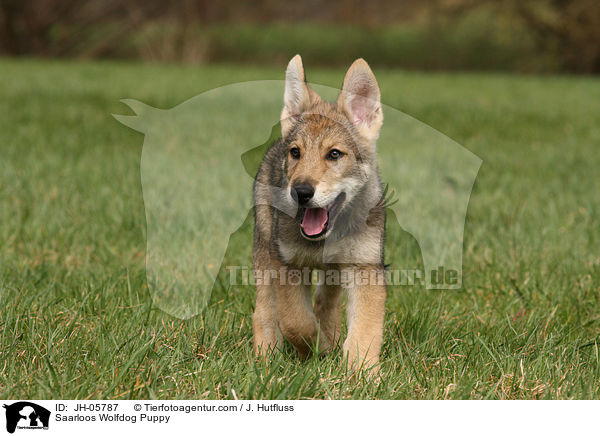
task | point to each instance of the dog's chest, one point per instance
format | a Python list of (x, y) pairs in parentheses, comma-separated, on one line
[(300, 254), (362, 248)]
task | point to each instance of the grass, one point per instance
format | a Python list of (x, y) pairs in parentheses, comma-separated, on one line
[(77, 320)]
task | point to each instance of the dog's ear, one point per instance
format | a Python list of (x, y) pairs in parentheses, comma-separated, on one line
[(297, 97), (360, 99)]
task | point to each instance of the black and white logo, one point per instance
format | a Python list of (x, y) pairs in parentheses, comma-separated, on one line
[(26, 415)]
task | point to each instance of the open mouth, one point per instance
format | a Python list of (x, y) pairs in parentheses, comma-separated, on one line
[(315, 222)]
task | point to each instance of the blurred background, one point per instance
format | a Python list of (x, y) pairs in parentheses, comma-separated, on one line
[(536, 36)]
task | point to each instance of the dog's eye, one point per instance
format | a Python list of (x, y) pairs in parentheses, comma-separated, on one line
[(334, 154), (295, 152)]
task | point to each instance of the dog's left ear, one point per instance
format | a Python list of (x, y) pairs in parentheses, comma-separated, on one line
[(361, 100), (298, 97)]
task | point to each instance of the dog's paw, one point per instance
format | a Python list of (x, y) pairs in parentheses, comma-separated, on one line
[(364, 362)]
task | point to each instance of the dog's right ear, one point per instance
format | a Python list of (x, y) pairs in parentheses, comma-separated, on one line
[(361, 100), (297, 97)]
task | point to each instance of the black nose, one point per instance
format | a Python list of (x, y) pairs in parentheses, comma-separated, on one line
[(302, 192)]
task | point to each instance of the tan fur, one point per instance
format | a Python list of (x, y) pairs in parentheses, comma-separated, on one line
[(353, 244)]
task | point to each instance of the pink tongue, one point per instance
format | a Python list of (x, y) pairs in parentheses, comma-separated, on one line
[(314, 221)]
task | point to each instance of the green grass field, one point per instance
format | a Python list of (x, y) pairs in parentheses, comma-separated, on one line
[(77, 320)]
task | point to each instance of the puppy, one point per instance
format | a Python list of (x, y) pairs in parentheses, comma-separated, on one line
[(319, 206)]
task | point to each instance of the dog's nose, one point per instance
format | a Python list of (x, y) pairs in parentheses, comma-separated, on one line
[(302, 192)]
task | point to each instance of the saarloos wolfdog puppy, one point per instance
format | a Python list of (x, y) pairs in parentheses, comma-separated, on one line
[(319, 205)]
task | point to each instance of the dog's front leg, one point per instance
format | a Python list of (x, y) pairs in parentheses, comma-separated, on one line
[(365, 310), (328, 309), (264, 320), (296, 318)]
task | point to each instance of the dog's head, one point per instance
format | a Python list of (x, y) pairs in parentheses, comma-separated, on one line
[(330, 146)]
